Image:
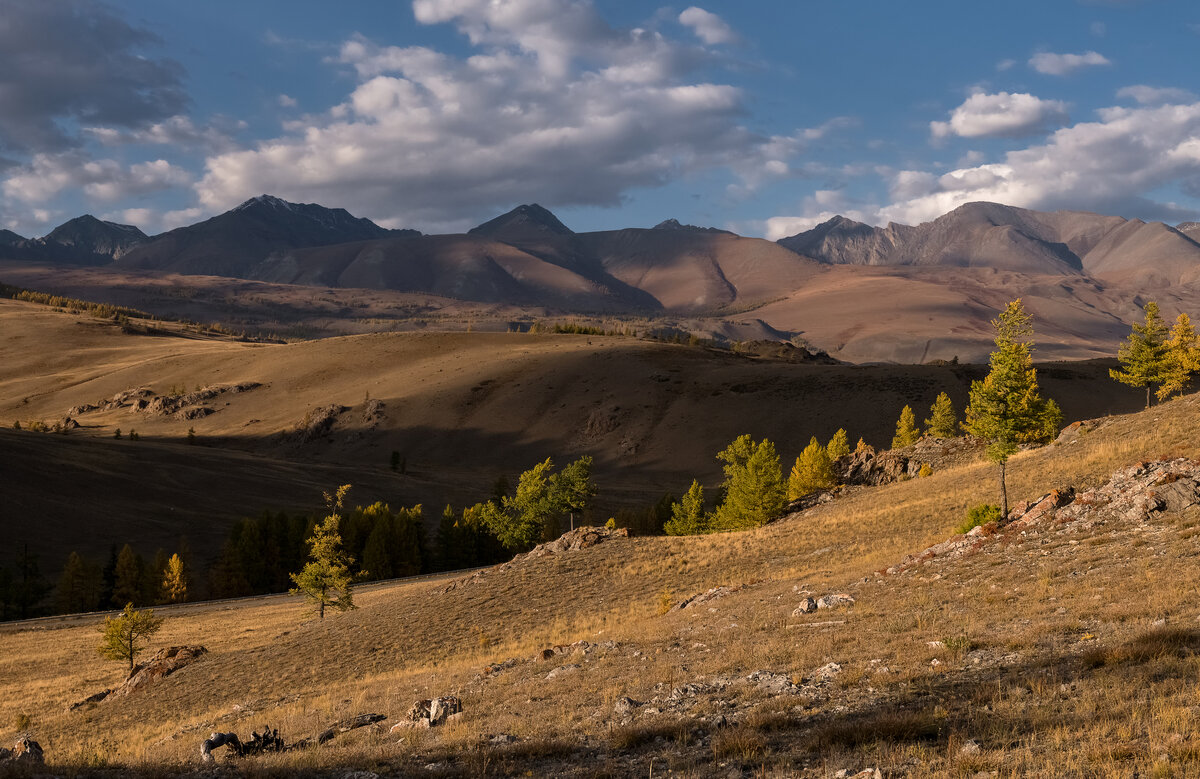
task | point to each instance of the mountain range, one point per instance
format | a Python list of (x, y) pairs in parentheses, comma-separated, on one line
[(898, 292)]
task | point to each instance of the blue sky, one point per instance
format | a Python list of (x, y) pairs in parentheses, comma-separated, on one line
[(764, 118)]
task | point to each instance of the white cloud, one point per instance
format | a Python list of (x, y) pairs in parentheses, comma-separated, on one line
[(46, 175), (1062, 64), (287, 101), (177, 131), (707, 26), (1004, 65), (1146, 95), (552, 105), (1115, 165), (1004, 114)]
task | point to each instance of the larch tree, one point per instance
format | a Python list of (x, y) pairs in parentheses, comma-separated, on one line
[(325, 579), (572, 488), (839, 445), (1181, 358), (942, 422), (687, 516), (754, 488), (123, 636), (1142, 354), (174, 587), (521, 520), (906, 429), (127, 587), (813, 471), (1005, 408)]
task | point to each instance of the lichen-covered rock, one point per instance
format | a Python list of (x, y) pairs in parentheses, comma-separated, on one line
[(577, 539), (162, 663)]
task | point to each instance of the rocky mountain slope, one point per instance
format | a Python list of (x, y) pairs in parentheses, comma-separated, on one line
[(990, 235)]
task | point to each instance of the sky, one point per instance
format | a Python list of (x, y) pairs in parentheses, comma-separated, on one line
[(765, 118)]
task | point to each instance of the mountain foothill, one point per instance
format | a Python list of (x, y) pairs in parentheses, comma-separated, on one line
[(862, 293)]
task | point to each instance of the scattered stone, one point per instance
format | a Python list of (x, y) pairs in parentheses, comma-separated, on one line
[(502, 738), (829, 670), (577, 539), (26, 750), (807, 606), (625, 705), (773, 682), (430, 713), (706, 597), (835, 601), (162, 663), (971, 747), (563, 670)]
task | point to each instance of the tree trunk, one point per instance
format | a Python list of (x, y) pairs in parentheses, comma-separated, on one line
[(321, 610), (1147, 394), (1003, 494)]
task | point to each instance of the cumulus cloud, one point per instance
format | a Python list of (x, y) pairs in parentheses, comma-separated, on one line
[(707, 26), (1004, 114), (1063, 64), (74, 62), (178, 132), (1111, 165), (1116, 165), (1146, 95), (552, 104), (104, 180)]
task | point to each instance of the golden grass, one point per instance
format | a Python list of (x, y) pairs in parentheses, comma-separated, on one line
[(1073, 677)]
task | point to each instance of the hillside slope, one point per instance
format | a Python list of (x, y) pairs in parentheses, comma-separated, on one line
[(460, 409), (1022, 657)]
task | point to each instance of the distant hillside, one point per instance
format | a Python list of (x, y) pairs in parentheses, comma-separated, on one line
[(235, 242), (990, 235), (84, 240)]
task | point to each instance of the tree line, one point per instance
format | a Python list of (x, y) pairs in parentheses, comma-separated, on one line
[(1156, 358)]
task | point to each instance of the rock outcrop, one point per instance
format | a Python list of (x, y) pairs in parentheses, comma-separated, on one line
[(162, 663)]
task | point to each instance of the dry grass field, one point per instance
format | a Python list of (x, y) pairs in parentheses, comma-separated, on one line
[(1061, 653), (461, 409)]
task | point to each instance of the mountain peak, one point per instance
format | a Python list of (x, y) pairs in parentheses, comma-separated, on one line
[(265, 201), (525, 222), (674, 224)]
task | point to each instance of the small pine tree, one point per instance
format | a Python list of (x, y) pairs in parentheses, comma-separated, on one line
[(174, 588), (191, 435), (325, 579), (1181, 358), (122, 636), (813, 471), (838, 446), (861, 446), (687, 516), (1005, 408), (906, 429), (942, 422), (1142, 354)]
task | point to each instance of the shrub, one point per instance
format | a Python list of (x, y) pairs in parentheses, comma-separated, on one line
[(979, 515), (926, 470)]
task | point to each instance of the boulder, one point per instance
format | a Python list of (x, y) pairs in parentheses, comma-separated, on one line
[(26, 750), (579, 538), (706, 596), (835, 601), (430, 713), (162, 663), (867, 467), (625, 705), (807, 606)]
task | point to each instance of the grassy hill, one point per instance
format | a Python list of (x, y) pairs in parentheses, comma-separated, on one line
[(461, 409), (1064, 650)]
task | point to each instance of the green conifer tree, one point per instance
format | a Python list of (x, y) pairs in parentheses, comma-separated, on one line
[(687, 516), (906, 429), (1005, 408), (325, 579), (942, 422), (127, 586), (813, 471), (78, 586), (1142, 354), (1181, 358), (122, 636), (754, 487)]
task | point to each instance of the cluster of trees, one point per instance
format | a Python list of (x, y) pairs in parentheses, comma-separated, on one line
[(127, 578), (1153, 356)]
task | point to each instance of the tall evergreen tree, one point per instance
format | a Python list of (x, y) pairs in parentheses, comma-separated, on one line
[(687, 516), (79, 586), (813, 471), (1005, 408), (1142, 354), (572, 487), (754, 487), (325, 580), (127, 582), (906, 429), (942, 422), (1181, 358)]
